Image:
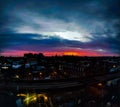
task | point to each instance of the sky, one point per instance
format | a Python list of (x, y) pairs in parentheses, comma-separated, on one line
[(60, 27)]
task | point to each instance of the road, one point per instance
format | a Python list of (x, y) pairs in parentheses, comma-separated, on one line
[(48, 84)]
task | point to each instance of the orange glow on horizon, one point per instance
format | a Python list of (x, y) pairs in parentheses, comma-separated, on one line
[(58, 53), (71, 53)]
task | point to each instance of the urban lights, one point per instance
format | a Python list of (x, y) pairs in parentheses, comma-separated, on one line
[(32, 98)]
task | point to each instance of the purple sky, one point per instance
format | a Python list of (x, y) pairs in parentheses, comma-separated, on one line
[(85, 28)]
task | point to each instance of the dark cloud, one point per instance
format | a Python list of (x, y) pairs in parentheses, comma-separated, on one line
[(26, 42), (79, 10), (83, 12), (20, 41)]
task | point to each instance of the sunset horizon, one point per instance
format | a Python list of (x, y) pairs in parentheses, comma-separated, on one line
[(60, 27), (65, 53)]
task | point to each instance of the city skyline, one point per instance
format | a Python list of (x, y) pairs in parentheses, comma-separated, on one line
[(60, 27)]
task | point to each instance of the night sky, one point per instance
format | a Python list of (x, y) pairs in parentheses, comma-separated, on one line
[(60, 27)]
